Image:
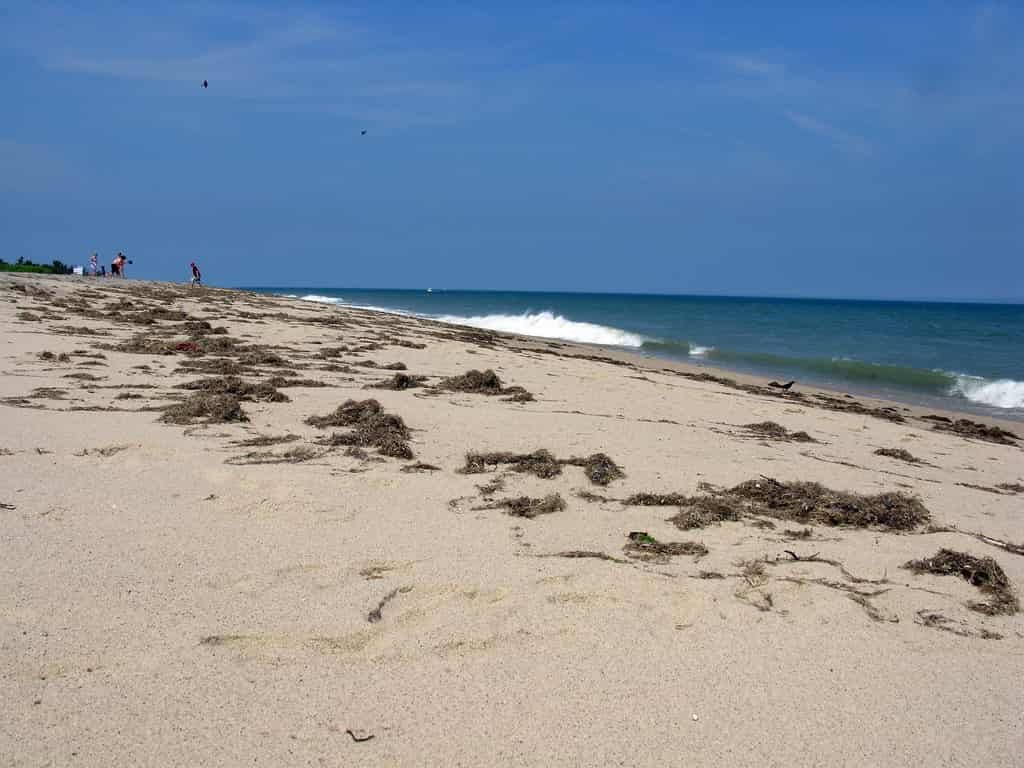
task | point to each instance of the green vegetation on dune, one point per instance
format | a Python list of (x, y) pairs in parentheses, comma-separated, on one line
[(22, 265)]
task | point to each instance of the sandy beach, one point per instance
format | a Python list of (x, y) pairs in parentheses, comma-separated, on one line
[(591, 559)]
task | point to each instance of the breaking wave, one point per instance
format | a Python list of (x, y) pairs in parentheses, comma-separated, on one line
[(547, 325), (1000, 393), (322, 299)]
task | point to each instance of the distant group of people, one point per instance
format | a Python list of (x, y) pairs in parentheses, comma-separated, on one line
[(118, 264)]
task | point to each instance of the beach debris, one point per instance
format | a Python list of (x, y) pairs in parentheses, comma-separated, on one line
[(709, 575), (579, 554), (293, 381), (399, 382), (232, 385), (646, 499), (541, 463), (110, 450), (832, 403), (643, 546), (371, 426), (599, 468), (769, 430), (214, 365), (492, 487), (377, 613), (419, 466), (787, 386), (806, 502), (702, 511), (802, 533), (63, 357), (520, 397), (211, 408), (264, 441), (973, 429), (753, 572), (217, 640), (592, 497), (480, 382), (83, 376), (48, 393), (360, 737), (988, 489), (936, 620), (982, 572), (899, 453), (484, 383), (800, 502), (529, 507), (296, 455)]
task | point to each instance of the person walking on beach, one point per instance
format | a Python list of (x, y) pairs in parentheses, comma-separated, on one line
[(197, 276), (94, 264)]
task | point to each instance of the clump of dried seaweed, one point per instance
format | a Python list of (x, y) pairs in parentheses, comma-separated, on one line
[(805, 502), (973, 429), (702, 511), (643, 546), (769, 430), (371, 426), (529, 507), (484, 383), (899, 453), (212, 409), (243, 390), (541, 463), (645, 499), (399, 382), (599, 468), (982, 572)]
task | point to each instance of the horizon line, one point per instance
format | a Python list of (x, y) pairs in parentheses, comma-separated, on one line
[(1005, 301)]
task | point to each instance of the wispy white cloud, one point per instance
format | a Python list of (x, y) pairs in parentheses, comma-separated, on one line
[(742, 64), (841, 139)]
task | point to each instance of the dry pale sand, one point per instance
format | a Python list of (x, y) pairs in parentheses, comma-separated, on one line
[(164, 602)]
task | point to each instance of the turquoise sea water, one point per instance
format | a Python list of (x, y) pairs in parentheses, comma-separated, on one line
[(961, 356)]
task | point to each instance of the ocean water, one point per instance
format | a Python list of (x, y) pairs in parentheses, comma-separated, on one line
[(959, 356)]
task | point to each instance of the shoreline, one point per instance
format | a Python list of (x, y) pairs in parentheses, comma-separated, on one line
[(946, 404), (243, 529), (654, 362)]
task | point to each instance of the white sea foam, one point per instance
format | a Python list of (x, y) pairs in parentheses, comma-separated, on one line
[(1001, 393), (548, 325), (322, 299), (698, 351)]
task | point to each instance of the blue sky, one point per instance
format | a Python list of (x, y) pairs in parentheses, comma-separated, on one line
[(857, 150)]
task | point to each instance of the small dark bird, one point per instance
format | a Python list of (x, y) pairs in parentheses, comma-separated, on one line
[(205, 84), (362, 132), (776, 384)]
